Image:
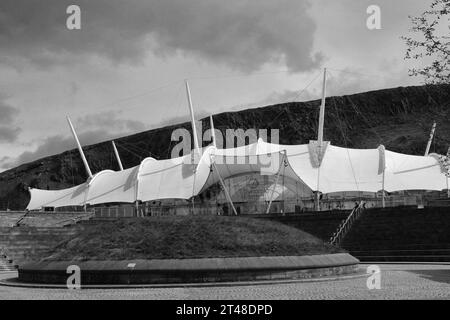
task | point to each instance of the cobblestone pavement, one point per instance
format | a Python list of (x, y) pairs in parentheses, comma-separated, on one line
[(409, 281)]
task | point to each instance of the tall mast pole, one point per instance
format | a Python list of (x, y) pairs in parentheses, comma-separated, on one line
[(446, 176), (430, 140), (86, 165), (191, 110), (322, 108), (382, 151), (196, 145), (383, 194), (225, 190), (117, 155), (320, 133), (213, 133), (276, 183)]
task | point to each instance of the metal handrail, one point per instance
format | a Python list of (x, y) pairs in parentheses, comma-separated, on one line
[(345, 226), (21, 219)]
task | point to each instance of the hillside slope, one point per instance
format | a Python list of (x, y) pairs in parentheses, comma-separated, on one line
[(399, 118)]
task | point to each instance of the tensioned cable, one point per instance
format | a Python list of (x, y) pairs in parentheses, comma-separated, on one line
[(176, 82), (177, 108), (307, 86), (384, 77), (357, 73), (344, 136), (153, 90), (296, 97), (290, 100), (255, 74), (131, 147), (283, 108), (137, 149), (71, 168), (355, 108), (129, 151)]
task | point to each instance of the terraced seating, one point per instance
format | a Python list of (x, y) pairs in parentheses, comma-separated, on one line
[(10, 218), (390, 234), (401, 234), (23, 244), (41, 219), (24, 237), (53, 219)]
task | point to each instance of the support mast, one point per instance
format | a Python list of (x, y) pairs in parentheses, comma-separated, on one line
[(320, 133), (191, 110), (322, 108), (117, 155), (213, 133), (227, 194), (86, 165), (276, 183), (447, 177), (430, 140), (382, 151), (194, 155)]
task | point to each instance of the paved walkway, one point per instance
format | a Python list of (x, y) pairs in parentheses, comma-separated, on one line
[(406, 281)]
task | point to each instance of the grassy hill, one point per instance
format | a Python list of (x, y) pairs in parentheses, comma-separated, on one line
[(188, 237), (399, 118)]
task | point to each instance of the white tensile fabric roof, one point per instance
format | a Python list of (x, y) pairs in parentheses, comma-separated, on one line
[(341, 169)]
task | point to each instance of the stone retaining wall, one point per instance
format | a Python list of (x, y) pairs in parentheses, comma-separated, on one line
[(192, 270)]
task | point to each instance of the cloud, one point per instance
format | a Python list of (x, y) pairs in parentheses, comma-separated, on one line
[(7, 113), (9, 134), (55, 145), (8, 131), (91, 129), (245, 35)]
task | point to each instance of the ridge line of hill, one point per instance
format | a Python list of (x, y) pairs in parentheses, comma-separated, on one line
[(399, 118)]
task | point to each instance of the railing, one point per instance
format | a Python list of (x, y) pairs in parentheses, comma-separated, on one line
[(115, 211), (21, 218), (345, 226)]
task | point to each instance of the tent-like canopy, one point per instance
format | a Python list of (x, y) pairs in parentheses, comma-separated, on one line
[(325, 168)]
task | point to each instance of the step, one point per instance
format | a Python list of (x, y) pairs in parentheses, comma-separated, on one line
[(407, 258)]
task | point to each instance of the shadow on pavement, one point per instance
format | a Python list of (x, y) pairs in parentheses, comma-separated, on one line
[(442, 276)]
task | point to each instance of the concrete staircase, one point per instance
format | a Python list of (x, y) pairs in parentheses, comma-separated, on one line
[(42, 219), (25, 244), (321, 224), (6, 264), (404, 234), (10, 219), (401, 234), (346, 225)]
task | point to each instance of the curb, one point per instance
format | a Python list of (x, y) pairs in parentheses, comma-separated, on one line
[(181, 271), (12, 282)]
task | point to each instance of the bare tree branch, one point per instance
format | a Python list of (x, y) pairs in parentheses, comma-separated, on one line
[(432, 44)]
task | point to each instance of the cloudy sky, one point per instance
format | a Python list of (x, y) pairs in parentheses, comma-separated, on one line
[(123, 71)]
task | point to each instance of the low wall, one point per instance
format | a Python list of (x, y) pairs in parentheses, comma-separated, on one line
[(192, 270)]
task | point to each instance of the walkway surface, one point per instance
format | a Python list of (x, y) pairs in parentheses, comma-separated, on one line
[(403, 281)]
